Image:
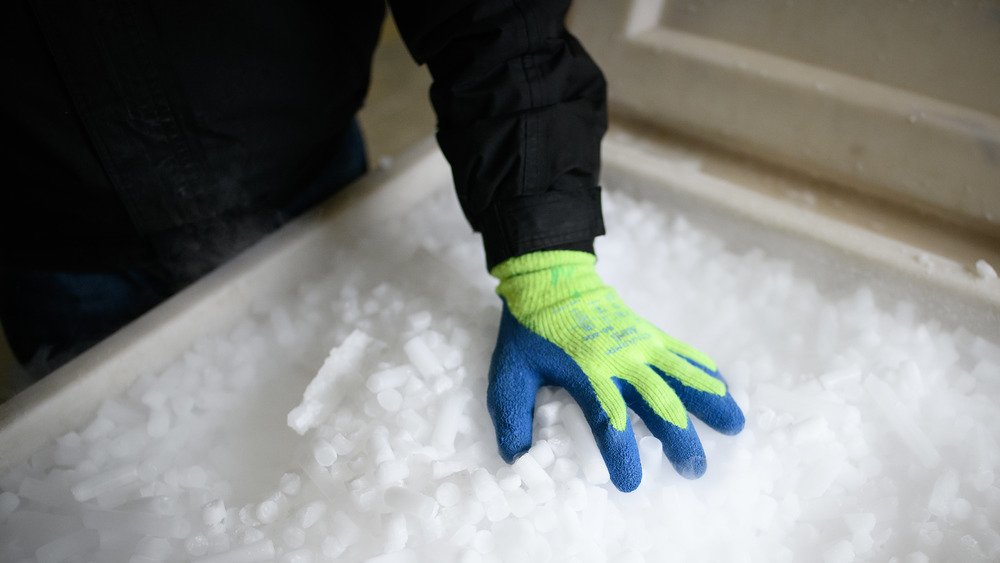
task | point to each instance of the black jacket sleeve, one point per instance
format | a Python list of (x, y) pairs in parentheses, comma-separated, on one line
[(521, 111)]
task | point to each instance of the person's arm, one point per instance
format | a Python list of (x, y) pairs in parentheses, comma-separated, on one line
[(521, 111)]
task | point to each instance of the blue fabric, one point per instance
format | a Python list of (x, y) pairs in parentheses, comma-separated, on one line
[(50, 317), (346, 165), (722, 414), (524, 361)]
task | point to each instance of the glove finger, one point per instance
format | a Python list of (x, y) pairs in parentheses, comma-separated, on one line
[(685, 350), (618, 447), (510, 399), (718, 411), (510, 396), (681, 444), (689, 373)]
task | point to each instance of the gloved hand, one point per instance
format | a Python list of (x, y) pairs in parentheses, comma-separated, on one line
[(563, 326)]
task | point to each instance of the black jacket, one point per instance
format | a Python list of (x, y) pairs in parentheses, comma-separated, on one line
[(132, 124)]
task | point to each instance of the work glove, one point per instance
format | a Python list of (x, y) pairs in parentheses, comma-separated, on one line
[(562, 325)]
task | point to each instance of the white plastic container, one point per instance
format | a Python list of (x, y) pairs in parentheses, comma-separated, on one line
[(837, 255)]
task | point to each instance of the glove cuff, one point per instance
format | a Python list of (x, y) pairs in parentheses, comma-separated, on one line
[(542, 260), (539, 281)]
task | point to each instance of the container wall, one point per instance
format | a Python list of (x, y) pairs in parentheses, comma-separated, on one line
[(897, 99)]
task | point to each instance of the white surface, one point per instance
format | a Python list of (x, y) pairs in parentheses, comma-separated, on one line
[(819, 462), (893, 98)]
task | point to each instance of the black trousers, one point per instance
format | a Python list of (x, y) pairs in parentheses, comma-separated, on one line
[(51, 316), (148, 142)]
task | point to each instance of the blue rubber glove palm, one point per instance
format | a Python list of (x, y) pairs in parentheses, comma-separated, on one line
[(563, 326)]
